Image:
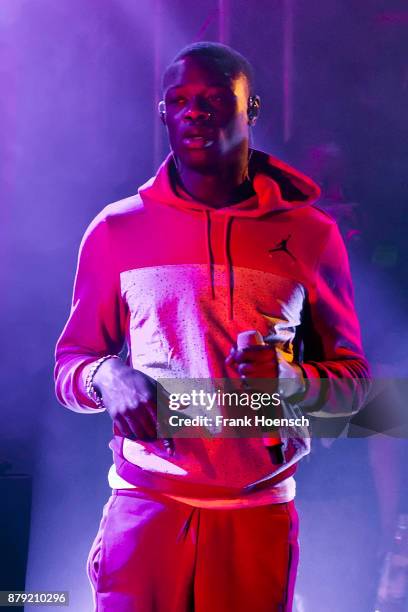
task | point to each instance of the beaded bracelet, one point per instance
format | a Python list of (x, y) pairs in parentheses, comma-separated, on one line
[(93, 393)]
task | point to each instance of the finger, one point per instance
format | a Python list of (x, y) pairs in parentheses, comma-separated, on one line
[(169, 446), (246, 369), (137, 428), (229, 361), (260, 370), (163, 410), (255, 354), (140, 427), (264, 384), (135, 419), (150, 417), (122, 426), (255, 370), (147, 418), (145, 387), (162, 396), (266, 375)]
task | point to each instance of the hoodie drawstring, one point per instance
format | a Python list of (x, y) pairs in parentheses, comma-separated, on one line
[(227, 260), (210, 256)]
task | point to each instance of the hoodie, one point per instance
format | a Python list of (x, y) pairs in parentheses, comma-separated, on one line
[(177, 281)]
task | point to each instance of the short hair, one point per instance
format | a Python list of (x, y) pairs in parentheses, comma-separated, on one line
[(230, 60)]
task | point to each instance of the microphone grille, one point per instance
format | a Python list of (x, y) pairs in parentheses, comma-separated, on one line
[(249, 338)]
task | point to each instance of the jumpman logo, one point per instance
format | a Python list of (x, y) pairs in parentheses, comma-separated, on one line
[(283, 246)]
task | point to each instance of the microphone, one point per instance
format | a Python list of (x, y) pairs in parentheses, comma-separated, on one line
[(273, 443)]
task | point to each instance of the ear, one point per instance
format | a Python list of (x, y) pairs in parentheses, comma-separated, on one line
[(254, 105), (162, 111)]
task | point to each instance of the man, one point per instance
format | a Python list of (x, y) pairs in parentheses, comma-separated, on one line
[(224, 239)]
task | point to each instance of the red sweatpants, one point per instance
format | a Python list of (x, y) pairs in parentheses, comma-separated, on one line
[(152, 554)]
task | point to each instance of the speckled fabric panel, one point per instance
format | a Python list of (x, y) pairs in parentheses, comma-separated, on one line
[(179, 328)]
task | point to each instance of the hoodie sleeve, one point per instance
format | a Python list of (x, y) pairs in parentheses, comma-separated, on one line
[(96, 323), (333, 359)]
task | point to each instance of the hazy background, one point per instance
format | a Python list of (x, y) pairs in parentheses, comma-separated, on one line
[(79, 86)]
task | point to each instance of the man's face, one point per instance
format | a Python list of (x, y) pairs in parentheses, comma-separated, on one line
[(206, 114)]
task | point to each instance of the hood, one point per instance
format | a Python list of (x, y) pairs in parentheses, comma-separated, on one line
[(278, 187)]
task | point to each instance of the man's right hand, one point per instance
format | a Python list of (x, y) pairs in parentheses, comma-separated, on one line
[(129, 396)]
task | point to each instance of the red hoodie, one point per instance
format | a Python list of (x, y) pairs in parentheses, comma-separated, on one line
[(178, 281)]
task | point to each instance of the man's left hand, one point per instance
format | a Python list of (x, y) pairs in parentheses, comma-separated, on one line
[(265, 363)]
